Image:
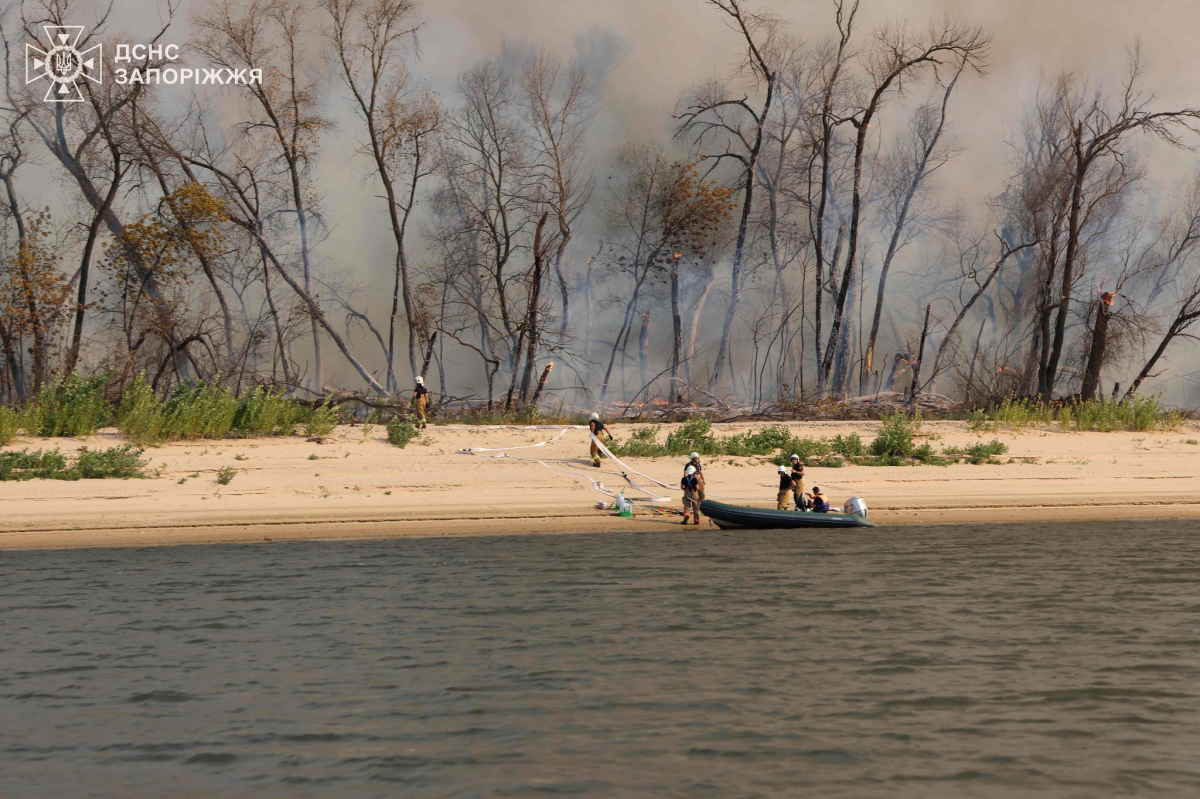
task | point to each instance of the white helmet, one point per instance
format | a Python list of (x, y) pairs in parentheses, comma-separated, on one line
[(596, 416), (783, 470), (795, 457), (690, 470), (420, 380), (694, 455)]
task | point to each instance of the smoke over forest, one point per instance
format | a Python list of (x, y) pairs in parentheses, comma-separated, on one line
[(682, 201)]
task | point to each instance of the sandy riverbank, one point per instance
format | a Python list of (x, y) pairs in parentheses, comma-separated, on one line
[(356, 486)]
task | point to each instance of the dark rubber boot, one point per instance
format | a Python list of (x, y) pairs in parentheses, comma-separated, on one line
[(684, 521)]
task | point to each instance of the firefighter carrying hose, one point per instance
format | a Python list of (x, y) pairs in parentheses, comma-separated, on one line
[(597, 428)]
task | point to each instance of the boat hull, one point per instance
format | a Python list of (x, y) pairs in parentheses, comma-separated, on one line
[(740, 517)]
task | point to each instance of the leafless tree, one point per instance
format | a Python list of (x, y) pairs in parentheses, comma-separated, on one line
[(272, 35), (1098, 134), (558, 100), (368, 37), (917, 156), (834, 61), (973, 282), (734, 130), (897, 57)]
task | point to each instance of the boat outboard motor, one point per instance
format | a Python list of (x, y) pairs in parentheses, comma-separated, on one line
[(855, 506)]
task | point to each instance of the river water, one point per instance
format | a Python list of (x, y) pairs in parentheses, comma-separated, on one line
[(1035, 660)]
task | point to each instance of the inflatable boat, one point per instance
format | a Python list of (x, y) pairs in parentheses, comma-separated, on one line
[(733, 517)]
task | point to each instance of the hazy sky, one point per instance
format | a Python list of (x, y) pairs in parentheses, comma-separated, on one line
[(673, 44)]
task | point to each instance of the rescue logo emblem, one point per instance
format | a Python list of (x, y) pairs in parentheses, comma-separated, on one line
[(63, 64)]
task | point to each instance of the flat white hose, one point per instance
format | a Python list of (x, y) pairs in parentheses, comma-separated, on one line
[(596, 484), (626, 470)]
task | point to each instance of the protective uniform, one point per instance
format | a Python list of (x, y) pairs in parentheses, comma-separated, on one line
[(419, 400), (597, 428), (785, 489), (691, 497), (798, 484)]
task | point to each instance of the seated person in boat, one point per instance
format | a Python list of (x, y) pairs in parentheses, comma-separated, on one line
[(819, 503), (785, 488), (694, 460), (690, 484)]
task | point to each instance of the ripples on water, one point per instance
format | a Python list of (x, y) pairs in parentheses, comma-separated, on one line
[(1035, 660)]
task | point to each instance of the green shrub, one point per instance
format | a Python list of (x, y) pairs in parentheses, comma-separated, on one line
[(808, 448), (763, 442), (140, 417), (978, 421), (893, 446), (401, 431), (768, 440), (693, 436), (116, 462), (204, 410), (320, 421), (264, 412), (1023, 413), (225, 474), (895, 437), (882, 460), (1148, 413), (1066, 415), (529, 414), (193, 410), (646, 434), (1012, 413), (26, 465), (1136, 413), (72, 407), (925, 454), (977, 453), (850, 446), (10, 423), (641, 444), (696, 436)]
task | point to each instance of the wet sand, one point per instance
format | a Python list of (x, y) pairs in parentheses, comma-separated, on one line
[(355, 485)]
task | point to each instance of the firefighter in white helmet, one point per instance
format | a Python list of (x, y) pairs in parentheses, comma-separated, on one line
[(420, 399), (597, 429)]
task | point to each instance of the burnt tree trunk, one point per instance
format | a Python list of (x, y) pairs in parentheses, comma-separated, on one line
[(676, 325), (541, 384), (643, 343), (916, 378), (535, 296), (1095, 361)]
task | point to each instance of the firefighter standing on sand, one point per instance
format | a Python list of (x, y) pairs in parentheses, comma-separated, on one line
[(420, 399), (597, 428)]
